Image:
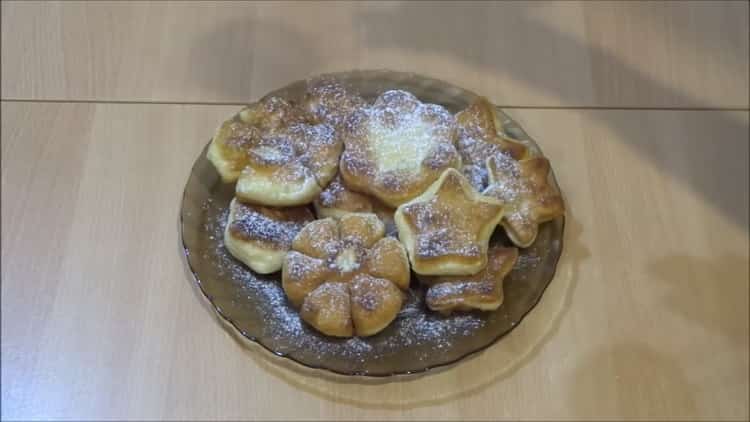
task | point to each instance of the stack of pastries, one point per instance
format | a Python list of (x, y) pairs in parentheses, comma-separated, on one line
[(347, 198)]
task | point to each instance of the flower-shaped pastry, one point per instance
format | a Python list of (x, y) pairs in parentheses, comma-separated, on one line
[(446, 230), (260, 237), (290, 166), (346, 278), (397, 147), (483, 290), (230, 147), (528, 196), (479, 139)]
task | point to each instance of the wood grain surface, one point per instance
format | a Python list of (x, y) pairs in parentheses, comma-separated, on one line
[(618, 54), (647, 317)]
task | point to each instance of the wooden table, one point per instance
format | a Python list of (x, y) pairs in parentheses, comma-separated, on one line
[(642, 108)]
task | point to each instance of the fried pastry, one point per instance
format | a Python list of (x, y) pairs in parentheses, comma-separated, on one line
[(397, 147), (260, 237), (482, 291), (230, 147), (291, 166), (346, 278), (479, 137), (528, 196), (336, 200), (330, 102), (446, 230)]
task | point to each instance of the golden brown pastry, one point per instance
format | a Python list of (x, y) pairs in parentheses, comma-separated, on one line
[(230, 147), (260, 237), (528, 196), (330, 102), (336, 200), (290, 167), (397, 147), (479, 137), (345, 276), (483, 290), (446, 230)]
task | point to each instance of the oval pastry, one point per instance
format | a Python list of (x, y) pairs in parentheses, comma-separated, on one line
[(397, 147), (346, 278), (260, 236)]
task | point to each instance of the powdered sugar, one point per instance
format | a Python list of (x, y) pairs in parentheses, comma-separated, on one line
[(391, 140), (446, 241), (416, 331), (458, 290), (476, 175), (280, 229), (330, 101)]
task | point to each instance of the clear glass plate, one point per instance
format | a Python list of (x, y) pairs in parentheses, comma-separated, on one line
[(418, 339)]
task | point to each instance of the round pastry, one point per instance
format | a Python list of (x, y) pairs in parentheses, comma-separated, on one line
[(346, 278), (230, 147), (480, 137), (528, 196), (482, 291), (291, 166), (397, 147), (446, 230), (260, 236), (330, 102)]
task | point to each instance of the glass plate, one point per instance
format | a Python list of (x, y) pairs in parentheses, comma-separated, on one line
[(418, 339)]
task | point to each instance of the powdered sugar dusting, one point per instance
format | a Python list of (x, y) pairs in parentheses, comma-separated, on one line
[(330, 101), (423, 332), (277, 227), (450, 290), (476, 175), (437, 234), (394, 138)]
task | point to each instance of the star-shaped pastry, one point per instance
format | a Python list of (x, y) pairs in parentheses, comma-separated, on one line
[(480, 137), (528, 196), (447, 228), (483, 290)]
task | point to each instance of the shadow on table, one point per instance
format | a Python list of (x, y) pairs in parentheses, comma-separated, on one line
[(407, 27), (712, 294), (645, 383), (726, 153)]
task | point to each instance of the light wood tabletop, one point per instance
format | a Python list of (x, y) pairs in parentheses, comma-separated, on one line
[(642, 108)]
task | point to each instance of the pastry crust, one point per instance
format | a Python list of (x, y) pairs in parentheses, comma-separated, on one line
[(397, 147), (230, 147), (291, 166), (348, 260), (528, 196), (446, 230), (260, 237), (480, 137), (336, 200), (482, 291), (330, 102)]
